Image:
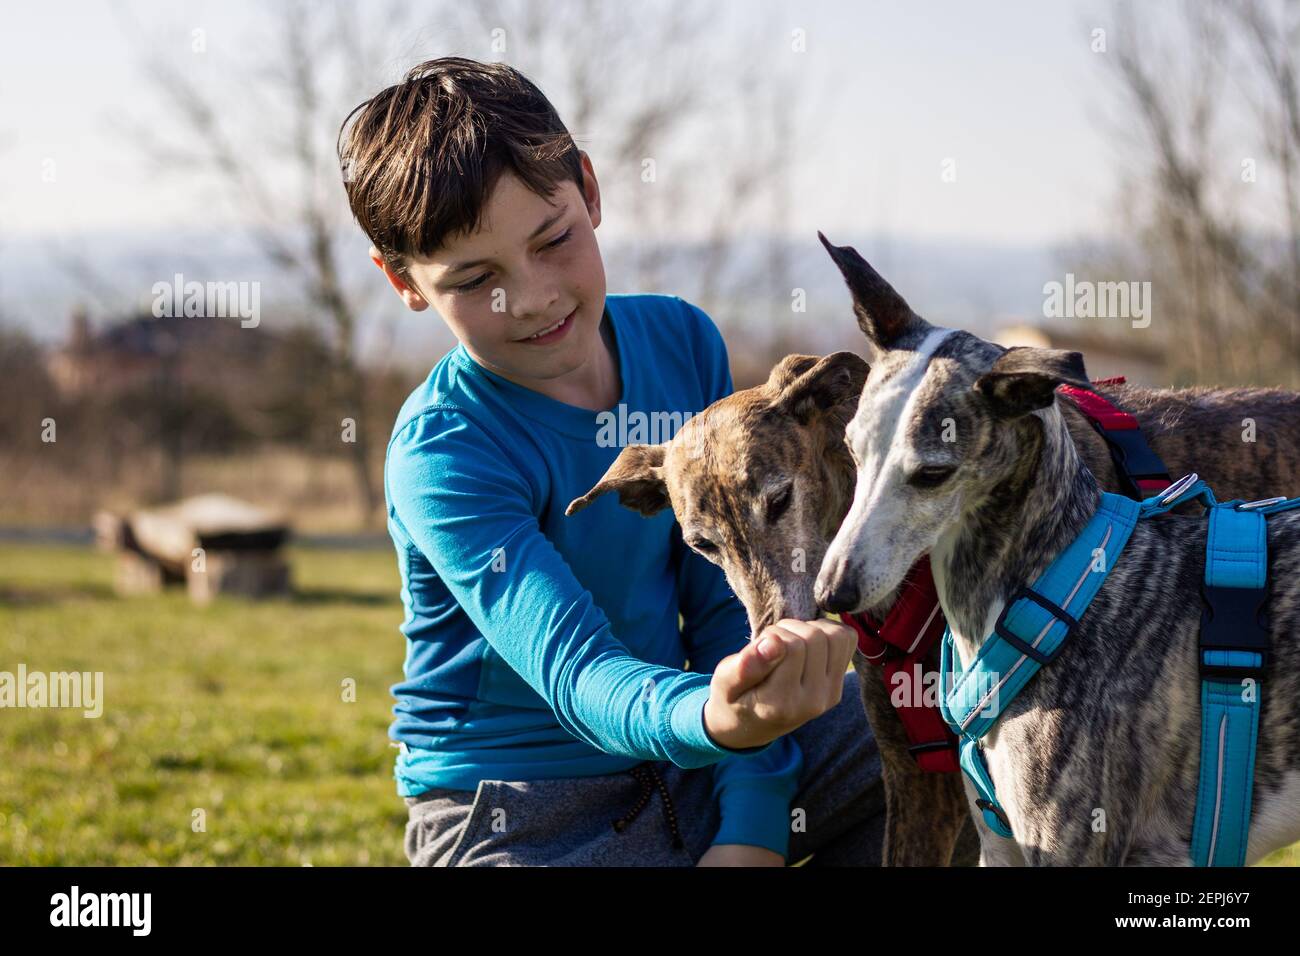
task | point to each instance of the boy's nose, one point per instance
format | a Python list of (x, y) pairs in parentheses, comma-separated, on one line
[(530, 304)]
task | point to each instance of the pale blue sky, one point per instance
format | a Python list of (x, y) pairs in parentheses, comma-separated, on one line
[(1009, 91)]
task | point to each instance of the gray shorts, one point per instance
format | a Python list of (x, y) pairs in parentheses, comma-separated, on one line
[(658, 814)]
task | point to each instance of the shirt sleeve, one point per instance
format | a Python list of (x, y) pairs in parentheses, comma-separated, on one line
[(753, 790), (453, 490)]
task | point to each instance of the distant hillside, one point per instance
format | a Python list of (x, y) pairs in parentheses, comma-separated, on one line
[(961, 283)]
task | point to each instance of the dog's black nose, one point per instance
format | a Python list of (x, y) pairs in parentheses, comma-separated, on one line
[(844, 597)]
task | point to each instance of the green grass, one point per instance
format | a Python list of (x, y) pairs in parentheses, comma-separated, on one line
[(235, 709)]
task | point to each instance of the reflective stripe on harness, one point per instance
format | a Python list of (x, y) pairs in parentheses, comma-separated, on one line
[(1233, 649), (1032, 629)]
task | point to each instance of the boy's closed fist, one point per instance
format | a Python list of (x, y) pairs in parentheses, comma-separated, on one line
[(791, 673)]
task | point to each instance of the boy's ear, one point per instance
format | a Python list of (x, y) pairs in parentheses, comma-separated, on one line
[(1024, 379), (637, 475), (590, 189), (414, 301), (819, 384)]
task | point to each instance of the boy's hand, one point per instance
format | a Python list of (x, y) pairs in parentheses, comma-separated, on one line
[(792, 672), (739, 854)]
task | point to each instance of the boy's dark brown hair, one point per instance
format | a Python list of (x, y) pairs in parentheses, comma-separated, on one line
[(422, 157)]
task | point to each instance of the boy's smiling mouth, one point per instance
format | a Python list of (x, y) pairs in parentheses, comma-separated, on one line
[(552, 333)]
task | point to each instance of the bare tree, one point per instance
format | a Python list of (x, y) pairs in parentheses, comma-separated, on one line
[(1274, 41), (281, 173), (1230, 296)]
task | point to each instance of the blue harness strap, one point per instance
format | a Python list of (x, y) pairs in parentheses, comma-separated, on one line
[(1037, 621), (1031, 630), (1233, 650)]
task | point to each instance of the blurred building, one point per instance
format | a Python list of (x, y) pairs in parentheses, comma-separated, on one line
[(206, 383), (1105, 356), (203, 352)]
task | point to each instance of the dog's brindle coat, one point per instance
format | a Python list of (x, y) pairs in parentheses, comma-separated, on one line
[(1114, 723), (776, 434), (726, 475)]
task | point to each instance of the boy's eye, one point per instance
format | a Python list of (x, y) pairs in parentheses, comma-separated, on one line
[(473, 284)]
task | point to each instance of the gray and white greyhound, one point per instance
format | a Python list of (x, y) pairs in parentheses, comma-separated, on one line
[(1114, 722)]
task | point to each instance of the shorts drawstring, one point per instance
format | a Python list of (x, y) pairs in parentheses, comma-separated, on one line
[(647, 775)]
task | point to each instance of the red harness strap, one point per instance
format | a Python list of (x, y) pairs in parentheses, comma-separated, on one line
[(1140, 469), (901, 641)]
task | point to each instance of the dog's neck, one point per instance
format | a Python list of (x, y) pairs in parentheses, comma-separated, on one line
[(838, 474), (1009, 538)]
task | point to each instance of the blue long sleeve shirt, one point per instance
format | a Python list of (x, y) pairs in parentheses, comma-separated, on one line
[(542, 646)]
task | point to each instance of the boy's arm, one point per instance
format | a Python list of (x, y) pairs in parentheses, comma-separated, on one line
[(469, 511), (753, 791)]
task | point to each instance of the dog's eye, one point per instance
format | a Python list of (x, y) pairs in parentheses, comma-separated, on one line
[(779, 503), (932, 476), (704, 546)]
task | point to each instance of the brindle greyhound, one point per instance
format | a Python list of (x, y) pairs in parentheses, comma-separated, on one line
[(1114, 721), (774, 482), (760, 481)]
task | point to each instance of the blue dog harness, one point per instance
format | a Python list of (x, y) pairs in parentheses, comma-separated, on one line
[(1037, 621)]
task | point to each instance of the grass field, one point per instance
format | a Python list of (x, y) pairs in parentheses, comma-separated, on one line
[(236, 710)]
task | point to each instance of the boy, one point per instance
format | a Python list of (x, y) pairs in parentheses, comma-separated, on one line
[(545, 702)]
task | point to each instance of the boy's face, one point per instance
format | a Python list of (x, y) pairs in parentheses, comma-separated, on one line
[(532, 267)]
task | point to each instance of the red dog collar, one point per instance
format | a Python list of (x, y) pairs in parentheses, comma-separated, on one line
[(900, 644)]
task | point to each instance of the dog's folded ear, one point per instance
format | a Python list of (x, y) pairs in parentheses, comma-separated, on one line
[(883, 314), (1024, 379), (787, 370), (637, 475), (826, 383)]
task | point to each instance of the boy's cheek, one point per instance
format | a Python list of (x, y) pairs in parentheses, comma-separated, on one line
[(591, 289), (474, 330)]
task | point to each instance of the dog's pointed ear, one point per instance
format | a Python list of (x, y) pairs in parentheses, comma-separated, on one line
[(883, 314), (637, 475), (837, 378), (1024, 379)]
